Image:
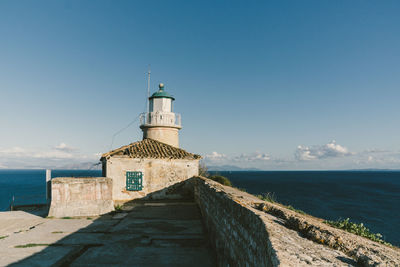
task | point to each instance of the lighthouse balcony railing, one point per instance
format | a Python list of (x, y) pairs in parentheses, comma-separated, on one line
[(160, 119)]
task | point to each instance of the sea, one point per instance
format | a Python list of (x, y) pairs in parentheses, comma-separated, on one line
[(369, 197)]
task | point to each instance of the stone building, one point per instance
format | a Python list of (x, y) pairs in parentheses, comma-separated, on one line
[(149, 167)]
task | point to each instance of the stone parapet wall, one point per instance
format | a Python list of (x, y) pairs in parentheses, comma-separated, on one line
[(71, 196), (246, 231), (239, 235)]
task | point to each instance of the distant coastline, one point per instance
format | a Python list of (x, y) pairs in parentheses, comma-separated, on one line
[(224, 168), (236, 168)]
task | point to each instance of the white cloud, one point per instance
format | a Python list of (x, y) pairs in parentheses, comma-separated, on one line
[(13, 152), (330, 150), (64, 147), (215, 156), (243, 160), (374, 158), (97, 155), (329, 156), (55, 157), (255, 156), (59, 152), (53, 154), (375, 150)]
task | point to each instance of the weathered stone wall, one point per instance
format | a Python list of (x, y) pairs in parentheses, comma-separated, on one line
[(246, 231), (72, 197), (159, 175), (239, 235)]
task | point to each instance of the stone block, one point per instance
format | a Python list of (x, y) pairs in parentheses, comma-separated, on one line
[(72, 197)]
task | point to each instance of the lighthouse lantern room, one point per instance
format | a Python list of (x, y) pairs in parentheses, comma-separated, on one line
[(160, 122)]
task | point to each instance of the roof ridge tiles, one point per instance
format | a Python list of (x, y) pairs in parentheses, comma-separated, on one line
[(150, 148)]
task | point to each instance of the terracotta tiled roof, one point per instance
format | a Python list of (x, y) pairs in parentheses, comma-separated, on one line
[(149, 148)]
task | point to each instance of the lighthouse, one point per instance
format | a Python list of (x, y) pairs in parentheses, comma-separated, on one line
[(147, 168), (160, 123)]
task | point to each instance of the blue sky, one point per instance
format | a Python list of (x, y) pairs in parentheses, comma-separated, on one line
[(264, 84)]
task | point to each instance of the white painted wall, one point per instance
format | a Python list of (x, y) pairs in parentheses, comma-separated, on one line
[(161, 118), (161, 104)]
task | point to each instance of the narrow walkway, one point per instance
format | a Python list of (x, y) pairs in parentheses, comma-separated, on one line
[(143, 234)]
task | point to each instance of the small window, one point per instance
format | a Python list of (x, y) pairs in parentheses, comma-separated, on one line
[(134, 181)]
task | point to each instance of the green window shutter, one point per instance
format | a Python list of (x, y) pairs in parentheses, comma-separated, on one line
[(134, 181)]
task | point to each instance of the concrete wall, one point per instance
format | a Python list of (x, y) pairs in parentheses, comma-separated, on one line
[(81, 196), (158, 176), (246, 231)]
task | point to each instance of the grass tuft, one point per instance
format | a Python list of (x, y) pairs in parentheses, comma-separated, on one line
[(270, 197), (30, 245), (4, 236), (221, 179), (346, 224), (118, 208), (296, 210), (358, 229)]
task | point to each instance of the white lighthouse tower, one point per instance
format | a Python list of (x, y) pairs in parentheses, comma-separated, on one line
[(161, 123)]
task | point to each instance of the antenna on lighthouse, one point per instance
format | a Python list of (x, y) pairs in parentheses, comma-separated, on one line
[(148, 89)]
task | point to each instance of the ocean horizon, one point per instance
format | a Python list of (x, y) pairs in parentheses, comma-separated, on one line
[(368, 196)]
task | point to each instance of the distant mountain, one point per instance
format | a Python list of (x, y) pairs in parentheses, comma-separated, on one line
[(374, 170), (230, 168)]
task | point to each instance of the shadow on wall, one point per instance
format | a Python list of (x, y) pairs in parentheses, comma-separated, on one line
[(146, 232), (182, 190)]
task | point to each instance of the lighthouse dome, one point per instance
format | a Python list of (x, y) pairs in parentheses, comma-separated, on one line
[(161, 93)]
